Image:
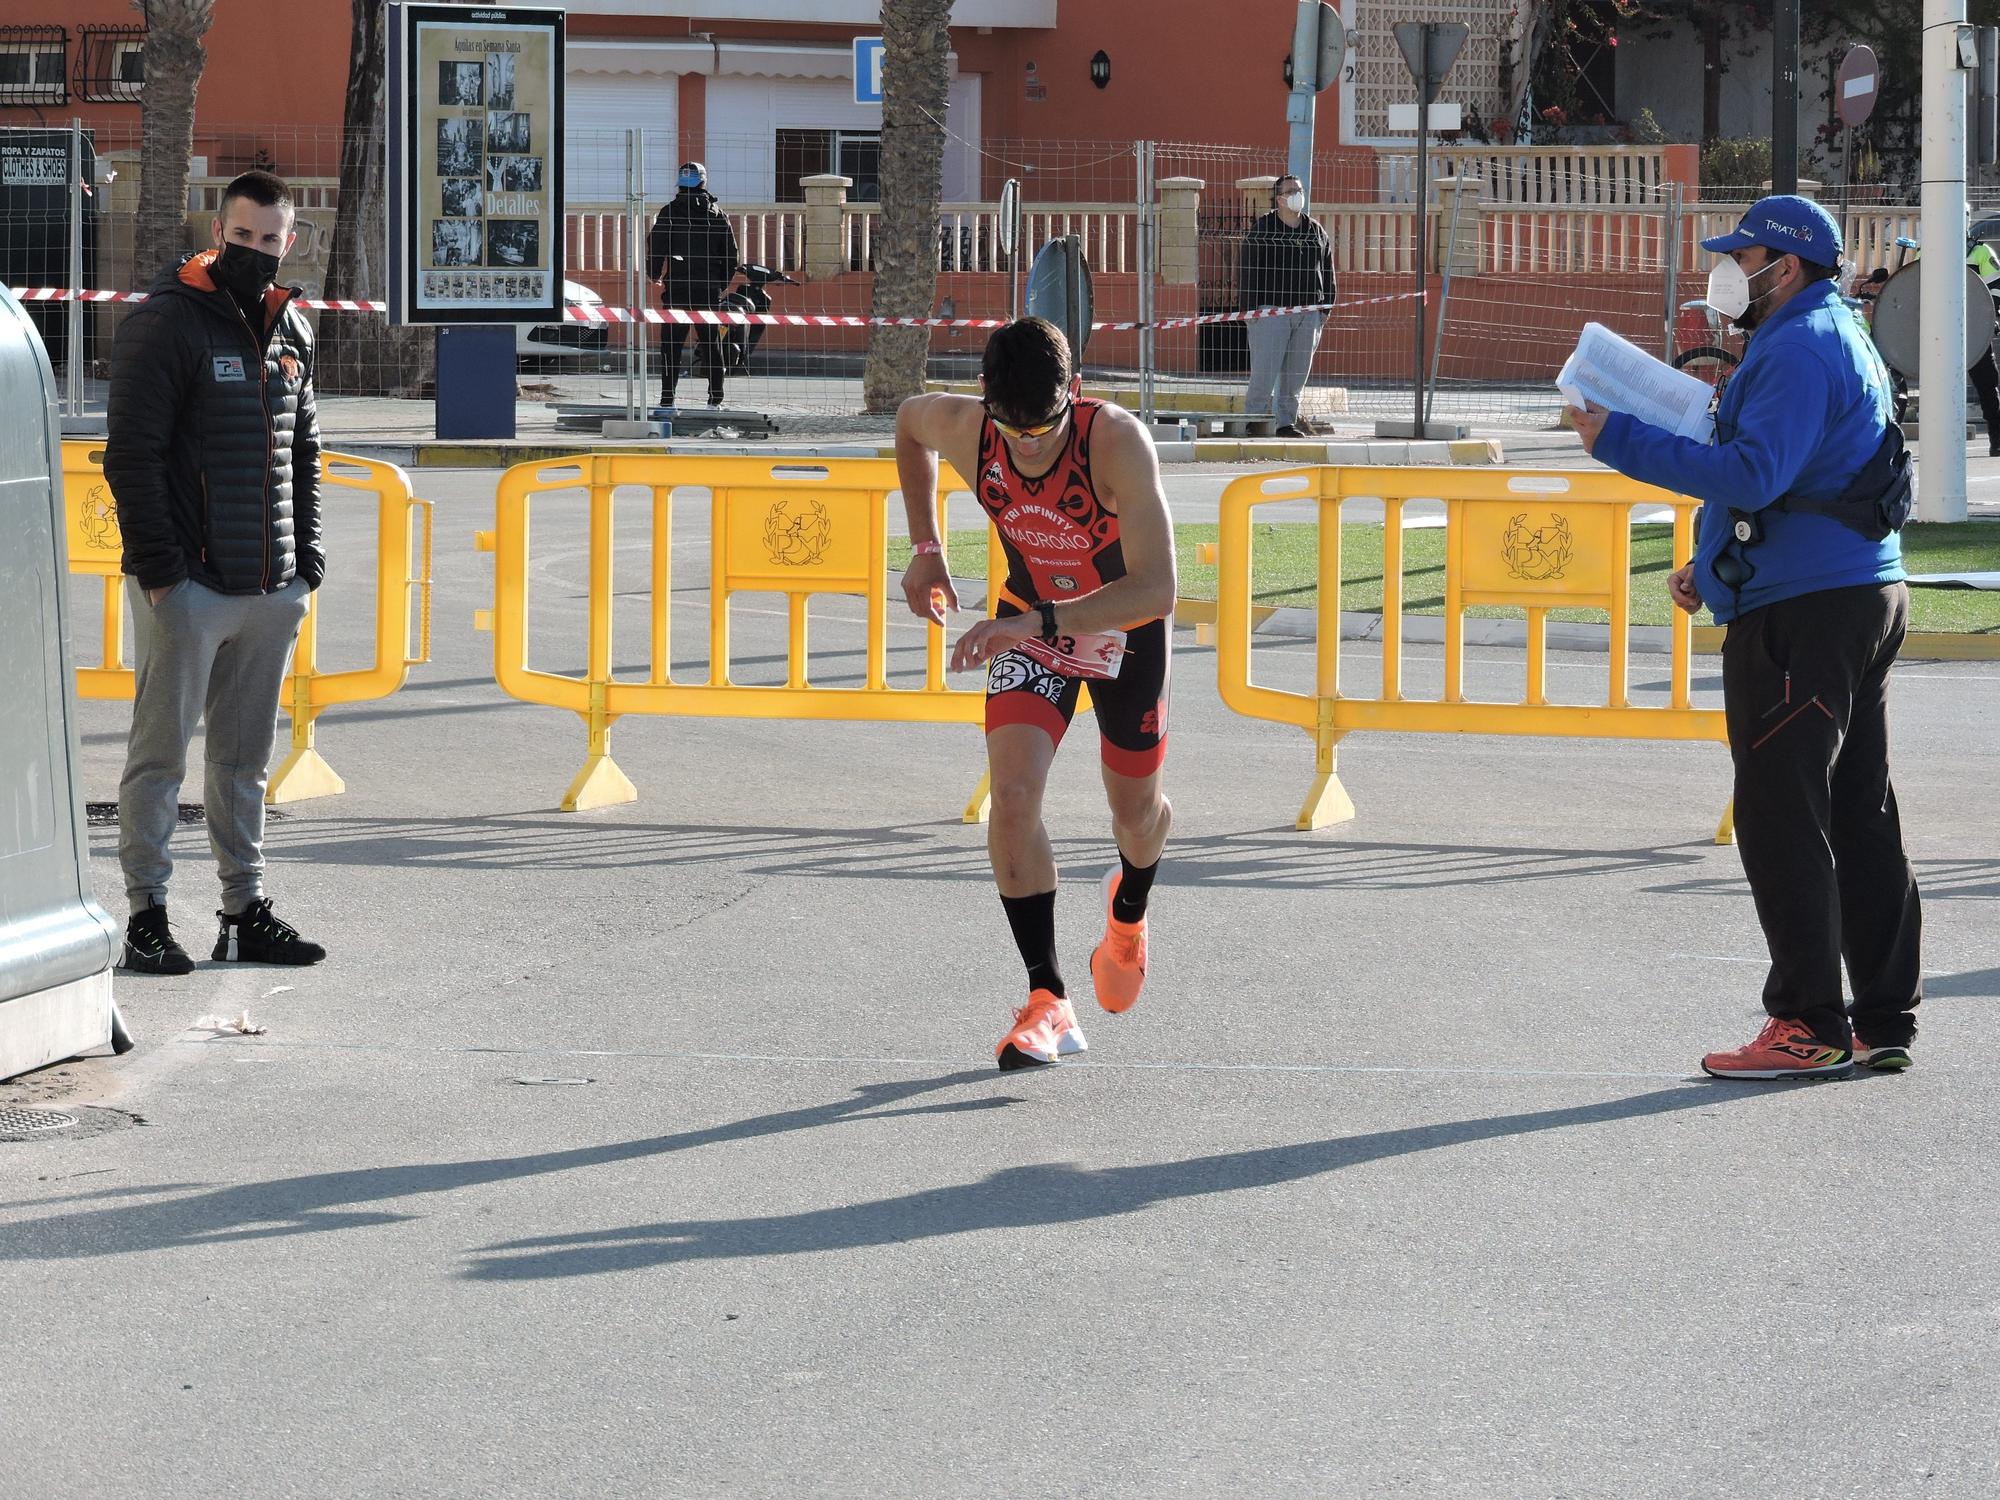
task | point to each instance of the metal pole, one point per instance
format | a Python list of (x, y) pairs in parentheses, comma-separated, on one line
[(1671, 248), (1785, 97), (73, 374), (1941, 363), (1149, 267), (1016, 259), (1423, 218), (1301, 105), (635, 213)]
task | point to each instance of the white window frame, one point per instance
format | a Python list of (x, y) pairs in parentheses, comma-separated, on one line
[(38, 90), (119, 52)]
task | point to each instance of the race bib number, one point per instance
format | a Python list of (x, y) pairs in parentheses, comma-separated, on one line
[(1078, 655)]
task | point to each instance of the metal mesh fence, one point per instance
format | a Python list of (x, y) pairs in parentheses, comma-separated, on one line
[(1523, 248)]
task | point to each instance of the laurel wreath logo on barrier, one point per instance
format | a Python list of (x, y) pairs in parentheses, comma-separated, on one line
[(797, 532), (1538, 555)]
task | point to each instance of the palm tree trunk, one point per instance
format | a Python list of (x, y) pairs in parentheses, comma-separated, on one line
[(360, 353), (174, 60), (916, 45)]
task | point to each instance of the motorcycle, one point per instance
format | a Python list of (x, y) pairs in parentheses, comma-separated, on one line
[(741, 339)]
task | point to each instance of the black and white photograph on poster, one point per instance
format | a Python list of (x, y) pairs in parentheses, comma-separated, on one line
[(496, 175), (507, 131), (500, 80), (460, 147), (459, 84), (462, 197), (513, 242), (522, 174), (455, 242)]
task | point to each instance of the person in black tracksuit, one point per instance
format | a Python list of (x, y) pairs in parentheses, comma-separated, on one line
[(212, 454), (691, 256), (1286, 261)]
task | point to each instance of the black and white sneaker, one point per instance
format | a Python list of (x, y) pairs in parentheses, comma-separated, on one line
[(260, 937), (1889, 1059), (150, 947)]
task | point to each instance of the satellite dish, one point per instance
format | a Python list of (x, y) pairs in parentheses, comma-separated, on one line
[(1059, 290), (1895, 326)]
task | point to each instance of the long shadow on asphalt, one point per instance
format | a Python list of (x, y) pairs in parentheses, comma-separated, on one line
[(314, 1203), (1941, 879), (934, 851), (1037, 1196), (1974, 983)]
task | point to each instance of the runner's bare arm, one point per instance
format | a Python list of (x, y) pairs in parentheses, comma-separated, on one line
[(925, 426), (1126, 470)]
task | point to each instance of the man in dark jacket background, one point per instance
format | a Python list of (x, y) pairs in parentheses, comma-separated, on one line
[(691, 257), (213, 457), (1286, 261)]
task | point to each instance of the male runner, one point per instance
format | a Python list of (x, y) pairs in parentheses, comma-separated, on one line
[(1074, 487)]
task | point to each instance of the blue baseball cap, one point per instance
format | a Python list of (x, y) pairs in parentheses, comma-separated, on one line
[(694, 175), (1788, 225)]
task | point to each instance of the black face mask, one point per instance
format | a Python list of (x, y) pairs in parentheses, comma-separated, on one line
[(244, 271)]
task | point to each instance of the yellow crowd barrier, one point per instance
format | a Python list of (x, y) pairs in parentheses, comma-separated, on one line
[(795, 527), (1533, 540), (402, 604)]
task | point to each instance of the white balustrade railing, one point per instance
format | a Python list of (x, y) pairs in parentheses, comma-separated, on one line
[(1536, 174)]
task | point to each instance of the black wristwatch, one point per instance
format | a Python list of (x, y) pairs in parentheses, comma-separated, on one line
[(1048, 619)]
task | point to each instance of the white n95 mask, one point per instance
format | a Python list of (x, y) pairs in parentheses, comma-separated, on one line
[(1294, 201), (1729, 287)]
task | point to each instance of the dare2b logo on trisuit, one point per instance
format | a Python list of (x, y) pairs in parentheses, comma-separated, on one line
[(229, 367)]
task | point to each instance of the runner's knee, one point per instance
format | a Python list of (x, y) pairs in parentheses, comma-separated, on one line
[(1016, 795)]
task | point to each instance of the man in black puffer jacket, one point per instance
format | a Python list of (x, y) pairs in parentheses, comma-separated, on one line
[(691, 256), (213, 459)]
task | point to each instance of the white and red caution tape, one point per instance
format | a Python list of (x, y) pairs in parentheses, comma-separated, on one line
[(596, 313)]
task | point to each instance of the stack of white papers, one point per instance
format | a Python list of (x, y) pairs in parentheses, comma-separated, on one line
[(1618, 375)]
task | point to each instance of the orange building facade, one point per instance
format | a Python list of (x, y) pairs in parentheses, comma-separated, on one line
[(710, 80)]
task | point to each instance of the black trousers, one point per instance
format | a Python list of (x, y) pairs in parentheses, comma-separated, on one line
[(707, 358), (1805, 685), (1986, 382)]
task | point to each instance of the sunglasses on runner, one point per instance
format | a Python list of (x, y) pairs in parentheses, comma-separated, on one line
[(1034, 429)]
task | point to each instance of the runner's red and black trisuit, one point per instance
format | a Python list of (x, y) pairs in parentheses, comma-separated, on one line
[(1061, 543)]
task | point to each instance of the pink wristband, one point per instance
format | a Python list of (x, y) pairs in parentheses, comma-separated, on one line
[(927, 549)]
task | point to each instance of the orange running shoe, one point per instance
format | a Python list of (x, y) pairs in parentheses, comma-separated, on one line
[(1783, 1049), (1118, 966), (1044, 1030)]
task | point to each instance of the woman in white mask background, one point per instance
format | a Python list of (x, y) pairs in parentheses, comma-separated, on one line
[(1286, 262)]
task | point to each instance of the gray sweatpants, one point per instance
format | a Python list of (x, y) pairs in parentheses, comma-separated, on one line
[(223, 658), (1281, 356)]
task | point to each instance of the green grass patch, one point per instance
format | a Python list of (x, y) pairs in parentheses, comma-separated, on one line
[(1285, 570)]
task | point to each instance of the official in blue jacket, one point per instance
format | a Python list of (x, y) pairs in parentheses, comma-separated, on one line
[(1792, 556)]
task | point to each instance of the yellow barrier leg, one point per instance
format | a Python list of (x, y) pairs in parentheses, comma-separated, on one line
[(1328, 801), (600, 783), (1725, 831), (304, 772), (982, 799)]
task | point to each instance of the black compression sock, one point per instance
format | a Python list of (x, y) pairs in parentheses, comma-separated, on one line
[(1134, 886), (1033, 919)]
